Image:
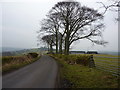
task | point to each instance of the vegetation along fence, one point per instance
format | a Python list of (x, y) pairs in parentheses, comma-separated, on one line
[(109, 64)]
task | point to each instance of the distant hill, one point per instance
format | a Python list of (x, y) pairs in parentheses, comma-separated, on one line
[(9, 49), (17, 51)]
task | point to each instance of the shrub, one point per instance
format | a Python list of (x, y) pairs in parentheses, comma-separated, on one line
[(33, 54)]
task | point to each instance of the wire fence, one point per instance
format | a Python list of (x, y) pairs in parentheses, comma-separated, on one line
[(108, 64)]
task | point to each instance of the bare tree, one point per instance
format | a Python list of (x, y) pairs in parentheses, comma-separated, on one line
[(51, 25), (79, 22), (49, 39), (56, 24)]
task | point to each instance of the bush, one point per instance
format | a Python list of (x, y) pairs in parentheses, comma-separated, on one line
[(33, 55)]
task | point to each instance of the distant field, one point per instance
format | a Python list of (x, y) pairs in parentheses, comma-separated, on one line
[(109, 63), (105, 62), (106, 55)]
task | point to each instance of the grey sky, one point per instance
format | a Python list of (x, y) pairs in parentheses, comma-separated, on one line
[(20, 21)]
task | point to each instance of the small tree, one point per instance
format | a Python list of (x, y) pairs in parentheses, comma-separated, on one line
[(51, 25), (49, 39)]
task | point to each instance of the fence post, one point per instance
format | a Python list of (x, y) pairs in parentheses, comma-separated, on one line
[(91, 62)]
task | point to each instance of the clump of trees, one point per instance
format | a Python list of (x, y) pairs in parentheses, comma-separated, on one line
[(68, 22), (50, 41)]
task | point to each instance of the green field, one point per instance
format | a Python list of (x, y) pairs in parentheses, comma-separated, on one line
[(107, 64), (106, 55)]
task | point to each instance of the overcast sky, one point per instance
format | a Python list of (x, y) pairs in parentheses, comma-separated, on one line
[(20, 20)]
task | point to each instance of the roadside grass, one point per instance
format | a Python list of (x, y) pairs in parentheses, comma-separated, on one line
[(79, 76), (11, 63)]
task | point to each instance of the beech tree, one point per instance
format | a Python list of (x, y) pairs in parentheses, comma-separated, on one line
[(79, 22), (69, 22)]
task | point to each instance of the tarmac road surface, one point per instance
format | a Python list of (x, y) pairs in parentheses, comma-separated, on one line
[(40, 74)]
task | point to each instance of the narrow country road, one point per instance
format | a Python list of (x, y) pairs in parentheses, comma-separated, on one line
[(40, 74)]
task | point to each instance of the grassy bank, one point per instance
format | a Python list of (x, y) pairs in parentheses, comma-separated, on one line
[(11, 63), (80, 76)]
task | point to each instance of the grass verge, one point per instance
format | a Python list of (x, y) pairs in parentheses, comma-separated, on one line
[(12, 63), (79, 76)]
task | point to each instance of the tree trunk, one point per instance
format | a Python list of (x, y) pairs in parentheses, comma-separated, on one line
[(60, 45), (51, 49), (67, 45), (67, 48), (67, 34), (56, 42), (48, 47), (67, 53)]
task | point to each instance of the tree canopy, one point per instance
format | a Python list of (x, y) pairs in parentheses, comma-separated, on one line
[(73, 22)]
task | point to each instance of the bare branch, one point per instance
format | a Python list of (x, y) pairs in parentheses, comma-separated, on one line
[(115, 4)]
